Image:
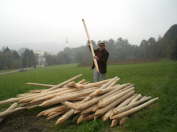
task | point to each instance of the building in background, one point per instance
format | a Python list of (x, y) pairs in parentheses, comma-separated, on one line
[(41, 61)]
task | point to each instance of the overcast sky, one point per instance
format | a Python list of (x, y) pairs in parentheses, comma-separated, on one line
[(46, 24)]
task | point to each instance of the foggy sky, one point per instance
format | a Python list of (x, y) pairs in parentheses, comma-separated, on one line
[(47, 24)]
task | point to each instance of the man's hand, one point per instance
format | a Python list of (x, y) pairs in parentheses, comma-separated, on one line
[(96, 57), (88, 42)]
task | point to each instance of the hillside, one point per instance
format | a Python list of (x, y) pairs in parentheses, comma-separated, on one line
[(171, 33), (169, 43)]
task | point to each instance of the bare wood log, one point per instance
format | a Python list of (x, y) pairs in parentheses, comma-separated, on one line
[(49, 96), (117, 89), (75, 85), (35, 91), (84, 105), (25, 95), (145, 97), (124, 119), (40, 84), (135, 109), (90, 109), (70, 84), (38, 95), (96, 84), (104, 88), (63, 98), (6, 113), (106, 101), (44, 94), (114, 92), (65, 82), (80, 119), (51, 113), (113, 104), (13, 106), (7, 101), (114, 123), (124, 103), (85, 118), (110, 112), (82, 81), (55, 115), (64, 117), (106, 115), (136, 98), (127, 101), (28, 97), (79, 86), (81, 106), (31, 107), (125, 108), (53, 109)]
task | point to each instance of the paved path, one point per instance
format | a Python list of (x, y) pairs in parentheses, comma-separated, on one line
[(14, 71)]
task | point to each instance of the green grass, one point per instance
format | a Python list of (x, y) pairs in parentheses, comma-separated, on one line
[(153, 79)]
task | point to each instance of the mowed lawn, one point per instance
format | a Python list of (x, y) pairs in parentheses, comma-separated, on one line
[(151, 79)]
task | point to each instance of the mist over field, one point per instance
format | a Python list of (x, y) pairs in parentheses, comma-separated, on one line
[(51, 26)]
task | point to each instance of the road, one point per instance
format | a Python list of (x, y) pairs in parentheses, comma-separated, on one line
[(14, 71)]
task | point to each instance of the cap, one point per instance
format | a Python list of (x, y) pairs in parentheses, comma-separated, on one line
[(102, 44)]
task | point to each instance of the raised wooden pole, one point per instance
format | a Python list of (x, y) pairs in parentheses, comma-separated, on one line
[(91, 45)]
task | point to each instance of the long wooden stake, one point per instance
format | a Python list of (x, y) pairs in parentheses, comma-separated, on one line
[(91, 45), (133, 110), (40, 84), (125, 108), (65, 82)]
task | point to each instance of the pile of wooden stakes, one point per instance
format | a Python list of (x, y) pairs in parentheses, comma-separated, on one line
[(106, 99)]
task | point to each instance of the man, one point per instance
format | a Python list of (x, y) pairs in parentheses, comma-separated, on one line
[(101, 55)]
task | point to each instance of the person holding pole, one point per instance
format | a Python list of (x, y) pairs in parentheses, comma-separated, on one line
[(101, 55)]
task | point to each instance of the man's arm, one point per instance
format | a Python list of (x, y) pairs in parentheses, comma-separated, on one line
[(94, 51)]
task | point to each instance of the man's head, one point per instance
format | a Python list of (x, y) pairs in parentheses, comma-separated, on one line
[(101, 46)]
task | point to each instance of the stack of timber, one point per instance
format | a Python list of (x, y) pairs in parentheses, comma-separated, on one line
[(107, 100)]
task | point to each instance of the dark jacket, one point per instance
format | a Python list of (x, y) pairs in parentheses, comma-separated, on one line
[(102, 61)]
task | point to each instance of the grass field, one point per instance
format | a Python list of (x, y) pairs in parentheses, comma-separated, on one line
[(153, 79)]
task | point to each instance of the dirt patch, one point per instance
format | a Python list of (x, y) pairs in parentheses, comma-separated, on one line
[(26, 122)]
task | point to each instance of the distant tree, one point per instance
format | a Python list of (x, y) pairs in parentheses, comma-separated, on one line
[(9, 59), (28, 58), (50, 59)]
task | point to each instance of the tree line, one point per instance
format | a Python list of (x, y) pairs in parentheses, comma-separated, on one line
[(120, 50), (11, 59)]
